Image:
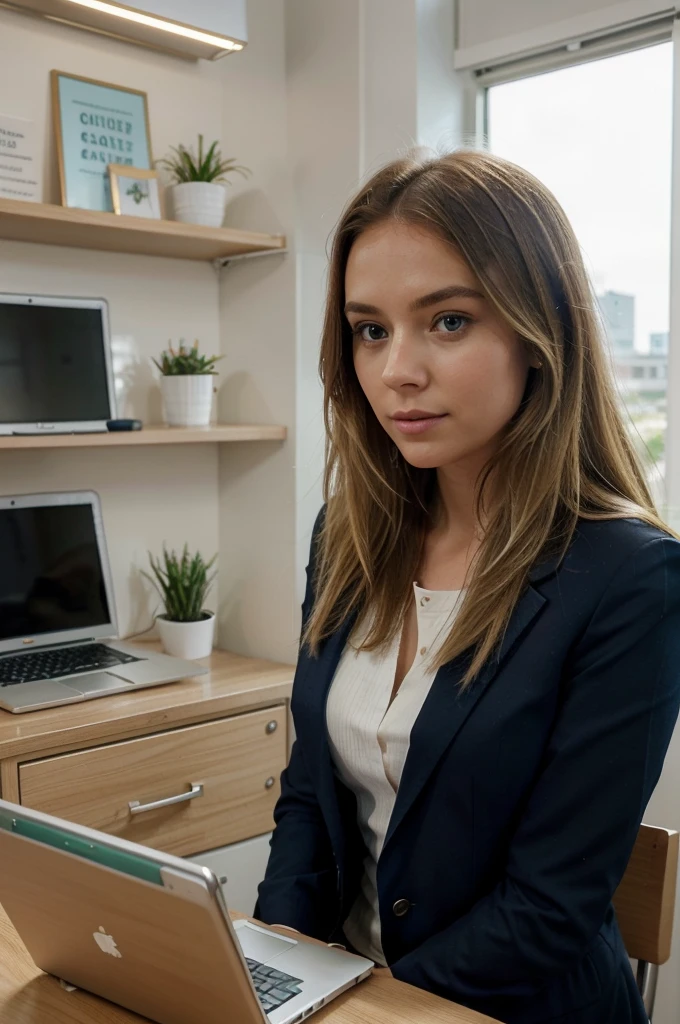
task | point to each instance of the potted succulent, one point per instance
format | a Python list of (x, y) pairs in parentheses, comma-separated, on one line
[(186, 628), (187, 385), (198, 193)]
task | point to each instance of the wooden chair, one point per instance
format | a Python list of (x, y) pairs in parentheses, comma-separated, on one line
[(645, 905)]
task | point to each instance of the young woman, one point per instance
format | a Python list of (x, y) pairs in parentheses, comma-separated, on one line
[(489, 673)]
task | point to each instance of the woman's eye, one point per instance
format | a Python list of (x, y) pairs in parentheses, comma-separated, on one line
[(454, 322), (358, 332)]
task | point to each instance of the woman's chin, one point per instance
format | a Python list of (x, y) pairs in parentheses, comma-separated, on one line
[(425, 456)]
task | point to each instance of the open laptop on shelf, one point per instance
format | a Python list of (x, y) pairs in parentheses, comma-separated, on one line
[(57, 610), (151, 932), (55, 365)]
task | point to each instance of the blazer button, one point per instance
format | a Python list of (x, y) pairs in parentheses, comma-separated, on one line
[(400, 908)]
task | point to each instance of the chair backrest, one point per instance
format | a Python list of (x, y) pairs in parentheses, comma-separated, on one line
[(645, 899)]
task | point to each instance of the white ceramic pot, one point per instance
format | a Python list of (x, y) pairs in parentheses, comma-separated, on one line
[(199, 202), (189, 640), (187, 399)]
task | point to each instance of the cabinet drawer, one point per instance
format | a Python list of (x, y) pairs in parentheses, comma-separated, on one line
[(234, 760)]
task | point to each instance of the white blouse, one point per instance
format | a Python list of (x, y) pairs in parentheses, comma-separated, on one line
[(369, 739)]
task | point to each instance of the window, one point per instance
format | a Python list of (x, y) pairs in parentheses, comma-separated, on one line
[(599, 135)]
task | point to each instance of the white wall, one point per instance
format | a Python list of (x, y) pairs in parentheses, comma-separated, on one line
[(257, 323), (325, 118)]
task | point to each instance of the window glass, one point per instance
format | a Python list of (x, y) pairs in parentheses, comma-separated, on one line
[(599, 135)]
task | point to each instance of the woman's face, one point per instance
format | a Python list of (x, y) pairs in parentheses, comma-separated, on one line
[(428, 344)]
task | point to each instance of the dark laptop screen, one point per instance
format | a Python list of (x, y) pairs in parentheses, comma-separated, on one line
[(51, 577), (52, 364)]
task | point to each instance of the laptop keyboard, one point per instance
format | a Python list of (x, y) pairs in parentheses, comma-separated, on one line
[(274, 988), (66, 661)]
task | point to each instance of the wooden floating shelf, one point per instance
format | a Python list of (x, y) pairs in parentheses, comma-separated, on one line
[(48, 224), (149, 435)]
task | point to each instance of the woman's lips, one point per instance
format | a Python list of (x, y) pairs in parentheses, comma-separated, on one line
[(418, 426)]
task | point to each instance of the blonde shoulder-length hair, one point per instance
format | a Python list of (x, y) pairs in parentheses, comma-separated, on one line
[(566, 453)]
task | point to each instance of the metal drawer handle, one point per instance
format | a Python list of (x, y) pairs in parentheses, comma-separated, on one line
[(180, 798)]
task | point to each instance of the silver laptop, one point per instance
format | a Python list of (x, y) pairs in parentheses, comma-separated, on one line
[(57, 609), (55, 365), (151, 932)]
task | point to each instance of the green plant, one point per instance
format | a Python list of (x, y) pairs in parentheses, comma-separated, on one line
[(182, 582), (184, 166), (185, 361)]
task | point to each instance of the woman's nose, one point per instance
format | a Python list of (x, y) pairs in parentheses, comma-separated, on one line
[(405, 363)]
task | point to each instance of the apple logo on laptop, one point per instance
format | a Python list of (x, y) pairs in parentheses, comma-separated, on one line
[(106, 943)]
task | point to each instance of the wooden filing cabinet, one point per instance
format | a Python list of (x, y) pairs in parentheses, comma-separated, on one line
[(189, 767)]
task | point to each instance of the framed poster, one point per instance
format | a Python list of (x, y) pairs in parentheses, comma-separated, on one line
[(135, 192), (96, 124)]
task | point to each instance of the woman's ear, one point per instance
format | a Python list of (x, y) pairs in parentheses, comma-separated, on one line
[(533, 358), (535, 361)]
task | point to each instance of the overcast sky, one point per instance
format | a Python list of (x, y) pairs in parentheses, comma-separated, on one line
[(599, 136)]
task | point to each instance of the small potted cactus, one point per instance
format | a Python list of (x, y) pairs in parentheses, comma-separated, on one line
[(186, 627), (187, 385)]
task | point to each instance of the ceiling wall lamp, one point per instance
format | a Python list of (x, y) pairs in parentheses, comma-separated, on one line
[(218, 28)]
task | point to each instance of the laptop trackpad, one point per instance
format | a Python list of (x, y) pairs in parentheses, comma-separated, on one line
[(158, 670), (97, 682), (260, 945)]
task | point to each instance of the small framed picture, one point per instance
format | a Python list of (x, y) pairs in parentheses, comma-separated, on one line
[(96, 124), (135, 191)]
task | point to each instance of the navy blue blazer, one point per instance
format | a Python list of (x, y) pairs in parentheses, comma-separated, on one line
[(520, 799)]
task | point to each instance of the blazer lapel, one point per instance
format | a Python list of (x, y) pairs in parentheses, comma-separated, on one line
[(313, 687), (446, 709)]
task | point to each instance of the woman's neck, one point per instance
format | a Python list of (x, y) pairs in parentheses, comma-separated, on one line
[(456, 534), (456, 508)]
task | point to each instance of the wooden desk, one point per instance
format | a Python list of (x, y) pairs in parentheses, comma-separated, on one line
[(27, 996)]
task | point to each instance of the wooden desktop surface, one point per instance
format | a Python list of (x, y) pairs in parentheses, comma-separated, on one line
[(27, 996)]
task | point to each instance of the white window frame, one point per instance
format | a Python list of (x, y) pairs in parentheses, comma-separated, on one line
[(657, 30), (546, 38)]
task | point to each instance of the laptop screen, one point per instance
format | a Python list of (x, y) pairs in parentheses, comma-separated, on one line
[(52, 364), (51, 578)]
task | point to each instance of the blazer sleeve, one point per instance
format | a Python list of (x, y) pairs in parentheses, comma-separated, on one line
[(300, 884), (573, 842)]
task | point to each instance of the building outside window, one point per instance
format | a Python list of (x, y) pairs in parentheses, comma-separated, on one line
[(599, 135)]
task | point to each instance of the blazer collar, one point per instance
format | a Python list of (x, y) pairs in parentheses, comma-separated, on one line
[(541, 570)]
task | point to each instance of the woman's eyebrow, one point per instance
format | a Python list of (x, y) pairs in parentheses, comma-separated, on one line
[(455, 291)]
